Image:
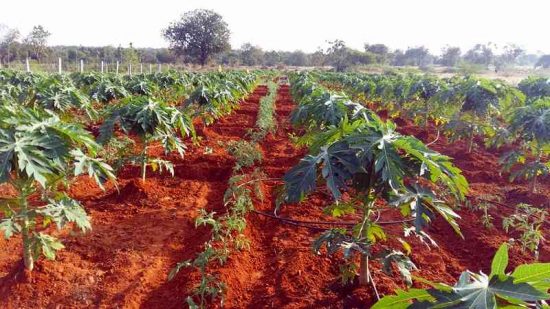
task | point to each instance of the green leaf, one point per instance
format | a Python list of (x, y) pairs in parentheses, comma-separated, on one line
[(45, 244), (10, 227), (521, 291), (67, 210), (403, 263), (531, 272), (402, 299), (38, 144), (95, 168), (375, 232), (339, 163), (423, 204), (536, 274), (500, 261), (301, 179), (339, 209)]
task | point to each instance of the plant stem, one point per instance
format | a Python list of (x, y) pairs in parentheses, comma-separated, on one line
[(364, 270), (426, 116), (27, 250), (534, 181), (364, 273), (534, 184), (144, 160), (471, 141)]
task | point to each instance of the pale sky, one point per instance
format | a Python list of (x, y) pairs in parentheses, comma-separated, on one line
[(294, 24)]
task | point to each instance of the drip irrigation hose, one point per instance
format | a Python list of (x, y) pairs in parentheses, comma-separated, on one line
[(311, 224)]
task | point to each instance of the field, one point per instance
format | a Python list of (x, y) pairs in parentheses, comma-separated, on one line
[(216, 192)]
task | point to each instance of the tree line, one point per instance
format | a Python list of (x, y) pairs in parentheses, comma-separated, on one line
[(202, 37)]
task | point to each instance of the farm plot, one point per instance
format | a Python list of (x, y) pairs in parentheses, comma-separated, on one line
[(268, 207)]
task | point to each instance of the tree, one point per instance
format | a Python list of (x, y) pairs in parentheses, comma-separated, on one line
[(198, 35), (350, 147), (527, 59), (7, 39), (107, 53), (148, 55), (339, 55), (375, 160), (510, 56), (450, 56), (399, 58), (482, 102), (165, 56), (357, 57), (37, 41), (380, 50), (419, 56), (531, 124), (511, 53), (318, 58), (251, 55), (272, 58), (544, 61), (480, 54), (297, 58), (230, 57), (119, 53), (130, 55), (150, 121)]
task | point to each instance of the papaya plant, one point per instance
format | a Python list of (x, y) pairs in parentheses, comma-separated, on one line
[(141, 85), (108, 88), (217, 94), (58, 93), (528, 221), (531, 126), (525, 287), (535, 87), (37, 151), (150, 120), (480, 101), (383, 169), (427, 100)]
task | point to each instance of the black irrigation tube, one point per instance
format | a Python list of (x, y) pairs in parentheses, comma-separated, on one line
[(311, 224)]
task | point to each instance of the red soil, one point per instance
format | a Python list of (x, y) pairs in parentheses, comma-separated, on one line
[(141, 233)]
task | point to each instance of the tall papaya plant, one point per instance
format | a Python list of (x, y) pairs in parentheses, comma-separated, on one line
[(150, 120), (382, 168), (37, 151), (481, 102), (531, 127)]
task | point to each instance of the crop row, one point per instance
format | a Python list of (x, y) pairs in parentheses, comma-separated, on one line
[(44, 144), (353, 150), (466, 108)]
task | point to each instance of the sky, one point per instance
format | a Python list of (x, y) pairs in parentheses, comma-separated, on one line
[(294, 24)]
